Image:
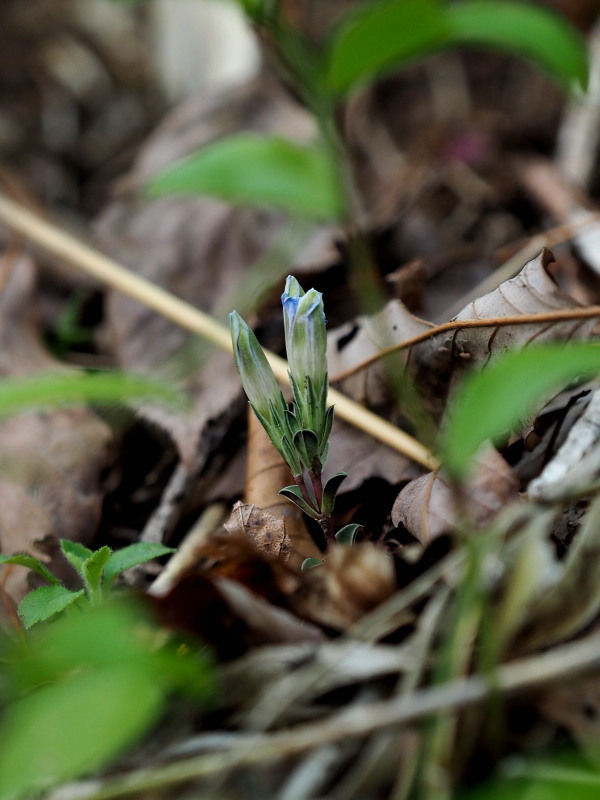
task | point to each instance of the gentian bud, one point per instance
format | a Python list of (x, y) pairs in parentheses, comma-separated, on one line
[(262, 390), (306, 344)]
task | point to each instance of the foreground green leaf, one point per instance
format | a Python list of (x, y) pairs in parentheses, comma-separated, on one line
[(91, 572), (259, 171), (60, 731), (490, 403), (45, 602)]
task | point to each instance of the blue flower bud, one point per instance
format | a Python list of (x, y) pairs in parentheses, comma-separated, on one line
[(262, 390), (306, 344)]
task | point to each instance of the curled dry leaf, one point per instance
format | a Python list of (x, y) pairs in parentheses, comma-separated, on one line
[(426, 506), (51, 461), (351, 582), (437, 363)]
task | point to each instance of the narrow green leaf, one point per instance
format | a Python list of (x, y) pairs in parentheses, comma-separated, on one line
[(70, 728), (260, 171), (45, 602), (490, 403), (76, 388), (75, 553), (330, 491), (294, 494), (132, 556), (33, 564), (347, 534), (310, 563), (382, 35), (92, 571), (523, 28), (306, 444)]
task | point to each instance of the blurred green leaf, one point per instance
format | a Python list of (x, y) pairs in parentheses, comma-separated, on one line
[(45, 602), (530, 30), (76, 388), (63, 730), (390, 33), (132, 556), (347, 534), (382, 35), (31, 563), (247, 169), (491, 402)]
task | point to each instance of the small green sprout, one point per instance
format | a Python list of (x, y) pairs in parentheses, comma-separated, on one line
[(98, 570), (299, 431)]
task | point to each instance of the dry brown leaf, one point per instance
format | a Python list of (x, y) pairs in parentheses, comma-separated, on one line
[(51, 461), (266, 474), (426, 506), (266, 532)]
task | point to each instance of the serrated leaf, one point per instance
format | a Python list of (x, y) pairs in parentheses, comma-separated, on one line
[(33, 564), (530, 30), (64, 730), (45, 602), (347, 534), (294, 494), (490, 403), (310, 563), (384, 34), (77, 388), (132, 556), (92, 570), (75, 553), (260, 171), (330, 491)]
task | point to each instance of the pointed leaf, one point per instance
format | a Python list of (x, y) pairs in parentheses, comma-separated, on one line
[(330, 491), (132, 556), (45, 602), (294, 494), (490, 403), (347, 534), (75, 553), (33, 564), (92, 570), (310, 563), (247, 169)]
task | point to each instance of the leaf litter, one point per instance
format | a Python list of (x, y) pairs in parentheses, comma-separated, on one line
[(348, 652)]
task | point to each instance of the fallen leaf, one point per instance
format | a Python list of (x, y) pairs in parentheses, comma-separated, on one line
[(427, 509)]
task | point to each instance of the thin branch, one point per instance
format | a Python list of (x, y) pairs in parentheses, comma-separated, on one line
[(111, 273), (455, 324), (526, 674)]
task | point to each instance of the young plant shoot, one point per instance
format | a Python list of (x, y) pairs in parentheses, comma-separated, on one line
[(300, 431)]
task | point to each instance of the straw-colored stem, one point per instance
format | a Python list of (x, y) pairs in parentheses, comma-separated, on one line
[(85, 258)]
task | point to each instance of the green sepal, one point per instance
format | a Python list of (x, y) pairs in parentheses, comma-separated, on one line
[(324, 436), (330, 491), (310, 563), (33, 564), (307, 446), (294, 494), (347, 534)]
